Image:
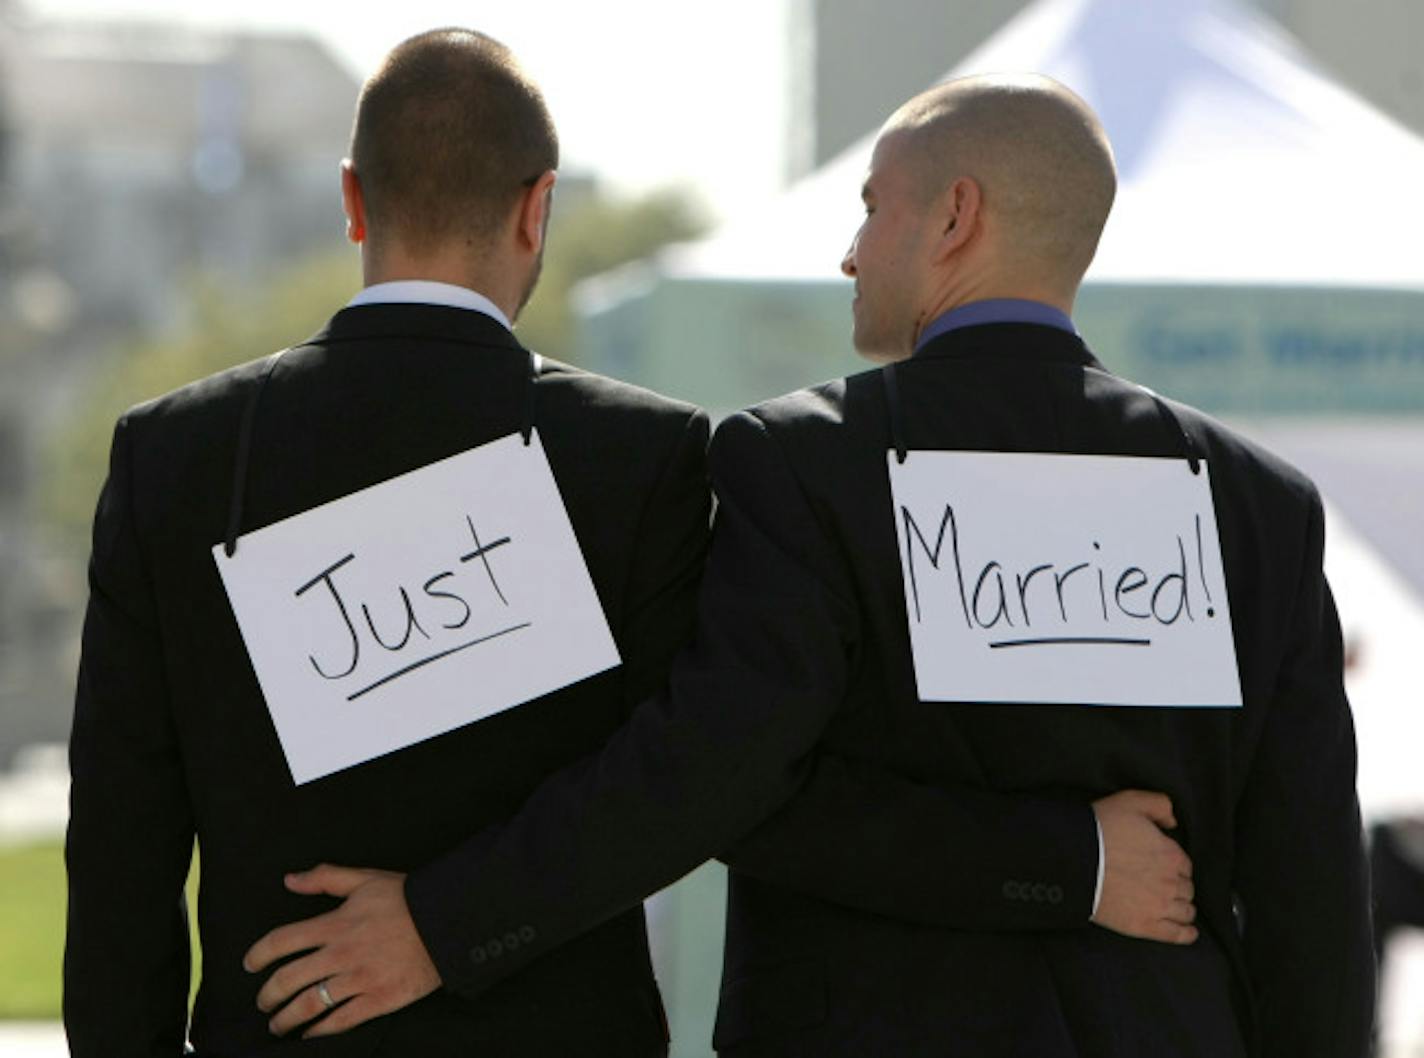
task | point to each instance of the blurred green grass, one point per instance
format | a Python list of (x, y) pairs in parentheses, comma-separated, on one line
[(31, 930), (32, 904)]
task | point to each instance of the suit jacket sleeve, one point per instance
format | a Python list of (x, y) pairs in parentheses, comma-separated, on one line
[(1301, 875), (859, 835), (671, 551), (695, 768), (130, 839)]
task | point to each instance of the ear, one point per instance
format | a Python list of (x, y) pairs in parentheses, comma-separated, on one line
[(353, 201), (956, 215), (534, 207)]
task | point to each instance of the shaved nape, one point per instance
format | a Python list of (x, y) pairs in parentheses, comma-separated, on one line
[(1037, 151)]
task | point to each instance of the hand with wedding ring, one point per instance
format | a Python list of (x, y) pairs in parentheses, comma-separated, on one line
[(364, 959)]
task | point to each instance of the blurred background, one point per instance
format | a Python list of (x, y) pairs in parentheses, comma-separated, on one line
[(169, 206)]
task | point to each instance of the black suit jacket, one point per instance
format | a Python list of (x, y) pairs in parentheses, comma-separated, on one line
[(171, 736), (871, 916), (1264, 794)]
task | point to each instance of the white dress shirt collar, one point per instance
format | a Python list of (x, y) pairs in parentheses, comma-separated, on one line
[(429, 292)]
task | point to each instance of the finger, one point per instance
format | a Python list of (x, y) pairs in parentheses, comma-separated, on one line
[(292, 978), (1172, 860), (307, 1005), (1156, 807), (1185, 889), (1182, 913), (326, 878), (285, 940), (1184, 865), (354, 1012)]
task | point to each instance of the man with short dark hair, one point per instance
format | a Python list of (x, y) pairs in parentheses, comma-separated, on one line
[(447, 138), (448, 194)]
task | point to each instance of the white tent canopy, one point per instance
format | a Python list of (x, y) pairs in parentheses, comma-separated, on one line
[(1239, 162)]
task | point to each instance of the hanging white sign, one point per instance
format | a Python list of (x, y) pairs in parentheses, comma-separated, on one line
[(416, 606), (1063, 579)]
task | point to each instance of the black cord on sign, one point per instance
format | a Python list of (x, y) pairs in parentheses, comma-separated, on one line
[(244, 452), (536, 364), (892, 399), (1189, 446)]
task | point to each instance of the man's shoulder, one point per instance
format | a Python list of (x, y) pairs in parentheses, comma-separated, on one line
[(218, 397), (845, 411), (625, 416), (213, 398), (1233, 452), (601, 393)]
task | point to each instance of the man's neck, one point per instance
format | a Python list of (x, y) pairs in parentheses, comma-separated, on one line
[(991, 289), (429, 292), (447, 267), (995, 310)]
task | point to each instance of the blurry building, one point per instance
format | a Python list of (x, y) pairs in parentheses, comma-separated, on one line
[(853, 63), (134, 158), (144, 152)]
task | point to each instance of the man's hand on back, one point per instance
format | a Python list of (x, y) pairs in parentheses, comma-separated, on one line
[(1147, 878), (366, 954)]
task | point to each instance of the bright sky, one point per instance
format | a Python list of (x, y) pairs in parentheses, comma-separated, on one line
[(644, 92)]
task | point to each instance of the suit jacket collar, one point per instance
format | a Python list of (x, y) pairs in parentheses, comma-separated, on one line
[(417, 322), (1009, 342)]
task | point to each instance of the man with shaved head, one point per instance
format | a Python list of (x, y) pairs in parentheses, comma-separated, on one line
[(985, 201), (954, 874), (984, 204), (1021, 177)]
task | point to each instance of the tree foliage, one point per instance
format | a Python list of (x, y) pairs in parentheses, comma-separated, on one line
[(593, 234), (222, 328)]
